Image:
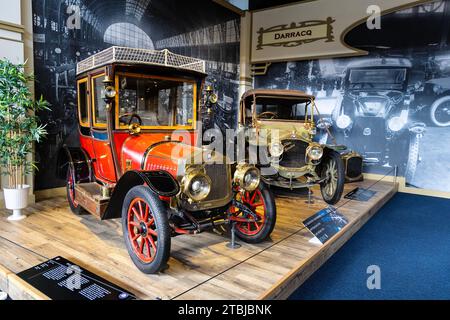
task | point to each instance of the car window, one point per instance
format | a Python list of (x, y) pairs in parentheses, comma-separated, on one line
[(395, 76), (99, 104), (83, 104), (157, 102), (377, 78), (281, 109)]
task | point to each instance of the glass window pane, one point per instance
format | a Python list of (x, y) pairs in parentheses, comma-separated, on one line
[(281, 109), (158, 102), (83, 103), (100, 106)]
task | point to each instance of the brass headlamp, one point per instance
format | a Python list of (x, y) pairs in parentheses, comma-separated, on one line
[(247, 177), (196, 184)]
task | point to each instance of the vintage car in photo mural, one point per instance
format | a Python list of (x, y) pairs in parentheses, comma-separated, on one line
[(432, 96), (286, 119), (130, 166), (373, 117)]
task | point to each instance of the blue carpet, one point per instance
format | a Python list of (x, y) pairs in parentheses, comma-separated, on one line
[(409, 239)]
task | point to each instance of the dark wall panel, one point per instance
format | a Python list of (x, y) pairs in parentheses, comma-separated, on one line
[(415, 40), (198, 28)]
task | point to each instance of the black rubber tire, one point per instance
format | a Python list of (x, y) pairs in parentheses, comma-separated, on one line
[(336, 196), (271, 217), (74, 207), (163, 242)]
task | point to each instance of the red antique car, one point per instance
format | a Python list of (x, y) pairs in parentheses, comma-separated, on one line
[(133, 164)]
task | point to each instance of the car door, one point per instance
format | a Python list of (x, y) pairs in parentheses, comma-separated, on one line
[(103, 164)]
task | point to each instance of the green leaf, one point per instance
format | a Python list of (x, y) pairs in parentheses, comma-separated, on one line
[(19, 126)]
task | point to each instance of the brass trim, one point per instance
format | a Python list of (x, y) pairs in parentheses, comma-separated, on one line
[(13, 40), (211, 204), (9, 26), (93, 102), (88, 106), (329, 37)]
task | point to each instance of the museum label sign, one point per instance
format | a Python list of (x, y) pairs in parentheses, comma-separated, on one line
[(314, 29), (325, 223), (61, 279), (296, 34)]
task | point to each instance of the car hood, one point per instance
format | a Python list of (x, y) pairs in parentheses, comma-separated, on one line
[(284, 130), (156, 153), (375, 103)]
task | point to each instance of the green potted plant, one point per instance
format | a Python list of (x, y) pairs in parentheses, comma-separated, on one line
[(19, 129)]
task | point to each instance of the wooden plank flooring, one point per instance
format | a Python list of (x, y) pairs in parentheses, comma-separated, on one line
[(201, 266)]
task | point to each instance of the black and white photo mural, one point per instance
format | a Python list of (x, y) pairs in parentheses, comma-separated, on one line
[(392, 106), (68, 31)]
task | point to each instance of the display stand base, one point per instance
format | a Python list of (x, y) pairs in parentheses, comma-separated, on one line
[(233, 244), (201, 266), (310, 199), (17, 216)]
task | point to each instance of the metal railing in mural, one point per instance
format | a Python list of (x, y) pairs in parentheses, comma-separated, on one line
[(227, 32)]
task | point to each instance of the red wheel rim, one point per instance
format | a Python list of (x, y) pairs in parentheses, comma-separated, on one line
[(142, 230), (71, 186), (255, 201)]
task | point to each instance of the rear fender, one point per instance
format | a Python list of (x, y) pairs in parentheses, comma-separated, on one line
[(160, 182), (76, 159)]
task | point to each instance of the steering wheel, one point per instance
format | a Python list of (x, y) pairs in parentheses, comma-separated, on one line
[(132, 116), (268, 115)]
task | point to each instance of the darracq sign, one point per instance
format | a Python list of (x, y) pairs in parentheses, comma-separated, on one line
[(296, 34), (313, 29)]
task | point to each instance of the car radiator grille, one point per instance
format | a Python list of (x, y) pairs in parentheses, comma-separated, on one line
[(369, 134), (221, 181), (221, 190), (294, 156)]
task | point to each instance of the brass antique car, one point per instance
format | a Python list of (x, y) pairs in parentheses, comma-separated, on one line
[(284, 123)]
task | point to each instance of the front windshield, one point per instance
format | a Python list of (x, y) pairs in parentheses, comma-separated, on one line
[(157, 102), (282, 109), (377, 77)]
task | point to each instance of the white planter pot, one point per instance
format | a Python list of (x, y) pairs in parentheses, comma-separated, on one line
[(3, 296), (16, 200)]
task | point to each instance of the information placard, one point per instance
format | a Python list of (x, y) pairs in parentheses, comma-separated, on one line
[(360, 194), (325, 223), (61, 279)]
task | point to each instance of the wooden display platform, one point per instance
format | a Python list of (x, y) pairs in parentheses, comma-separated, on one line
[(201, 266)]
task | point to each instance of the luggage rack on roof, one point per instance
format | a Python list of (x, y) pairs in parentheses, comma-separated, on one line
[(140, 56)]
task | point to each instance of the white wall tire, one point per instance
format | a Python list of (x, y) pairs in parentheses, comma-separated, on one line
[(413, 158), (434, 109)]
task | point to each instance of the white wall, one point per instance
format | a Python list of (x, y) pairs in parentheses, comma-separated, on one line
[(11, 30), (16, 44), (11, 11)]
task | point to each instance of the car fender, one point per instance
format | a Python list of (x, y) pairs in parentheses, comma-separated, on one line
[(327, 149), (334, 147), (160, 182), (77, 159)]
